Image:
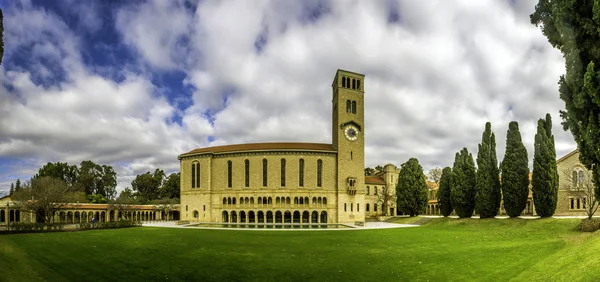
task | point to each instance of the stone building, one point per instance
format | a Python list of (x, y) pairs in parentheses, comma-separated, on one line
[(574, 179), (290, 182)]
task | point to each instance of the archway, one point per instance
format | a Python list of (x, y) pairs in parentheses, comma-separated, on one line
[(242, 217), (251, 218), (234, 218), (269, 217), (287, 217), (297, 216), (225, 216), (278, 217), (315, 217), (305, 217), (324, 217), (261, 217)]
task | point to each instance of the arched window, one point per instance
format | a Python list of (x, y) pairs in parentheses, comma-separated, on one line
[(348, 82), (354, 107), (229, 184), (343, 81), (374, 190), (367, 207), (319, 173), (574, 180), (265, 165), (247, 172), (368, 190), (295, 200), (195, 214), (282, 172), (345, 207), (197, 175), (301, 173), (233, 201), (581, 178), (324, 201), (348, 106), (193, 175), (224, 201), (375, 207), (353, 83), (358, 84)]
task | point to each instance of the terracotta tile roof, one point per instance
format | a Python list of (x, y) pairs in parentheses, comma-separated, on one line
[(284, 146), (105, 207), (374, 180)]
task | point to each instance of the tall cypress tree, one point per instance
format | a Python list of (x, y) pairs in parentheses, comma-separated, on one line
[(444, 192), (488, 196), (18, 185), (545, 173), (411, 189), (515, 172), (12, 189), (462, 193)]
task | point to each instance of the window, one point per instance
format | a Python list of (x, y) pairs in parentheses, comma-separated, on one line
[(348, 106), (578, 204), (319, 173), (344, 206), (247, 172), (282, 172), (358, 84), (368, 190), (581, 178), (368, 207), (203, 207), (357, 207), (301, 173), (193, 175), (572, 203), (375, 191), (186, 207), (197, 175), (265, 165), (351, 207), (353, 83), (354, 107), (195, 214), (350, 155), (229, 184), (375, 207), (348, 82), (583, 201), (574, 179), (343, 81)]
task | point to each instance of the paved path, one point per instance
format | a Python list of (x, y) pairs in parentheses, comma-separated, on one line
[(369, 225)]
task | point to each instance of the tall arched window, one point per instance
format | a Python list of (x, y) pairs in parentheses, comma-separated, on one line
[(319, 173), (197, 175), (358, 84), (265, 165), (574, 179), (193, 175), (343, 81), (581, 178), (301, 173), (282, 172), (368, 190), (348, 82), (375, 190), (247, 173), (354, 107), (229, 184), (367, 207), (353, 83), (348, 106)]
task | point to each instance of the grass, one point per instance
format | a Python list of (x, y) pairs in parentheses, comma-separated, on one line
[(442, 249)]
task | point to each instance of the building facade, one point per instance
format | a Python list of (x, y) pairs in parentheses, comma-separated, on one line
[(290, 182)]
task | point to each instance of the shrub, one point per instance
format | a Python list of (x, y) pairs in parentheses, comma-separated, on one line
[(109, 225), (589, 225)]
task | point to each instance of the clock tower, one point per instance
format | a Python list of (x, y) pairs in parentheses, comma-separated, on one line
[(349, 140)]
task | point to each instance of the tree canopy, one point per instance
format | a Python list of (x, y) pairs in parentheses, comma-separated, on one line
[(444, 192), (573, 27), (44, 195), (462, 183), (411, 190), (147, 186), (488, 195), (544, 181), (515, 172), (1, 36)]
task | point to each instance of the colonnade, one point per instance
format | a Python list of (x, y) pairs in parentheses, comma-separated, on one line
[(274, 216)]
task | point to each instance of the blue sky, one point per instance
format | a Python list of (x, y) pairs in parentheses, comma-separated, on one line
[(133, 84)]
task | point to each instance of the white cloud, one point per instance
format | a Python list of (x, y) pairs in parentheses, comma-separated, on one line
[(432, 80)]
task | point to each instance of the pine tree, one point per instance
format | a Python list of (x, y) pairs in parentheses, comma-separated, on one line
[(18, 185), (488, 195), (515, 172), (411, 189), (444, 192), (462, 183), (545, 173), (12, 189)]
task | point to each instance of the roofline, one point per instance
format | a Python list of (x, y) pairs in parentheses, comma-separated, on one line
[(567, 155), (188, 154), (351, 72)]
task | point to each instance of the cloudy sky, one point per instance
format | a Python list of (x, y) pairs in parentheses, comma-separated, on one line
[(135, 83)]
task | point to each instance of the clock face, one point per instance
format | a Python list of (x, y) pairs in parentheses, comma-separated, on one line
[(351, 132)]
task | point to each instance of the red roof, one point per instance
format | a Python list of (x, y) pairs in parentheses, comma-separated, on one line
[(275, 146), (374, 180)]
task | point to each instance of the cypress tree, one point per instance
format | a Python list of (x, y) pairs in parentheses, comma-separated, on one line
[(411, 189), (515, 172), (462, 183), (18, 185), (444, 192), (12, 189), (488, 196), (545, 173)]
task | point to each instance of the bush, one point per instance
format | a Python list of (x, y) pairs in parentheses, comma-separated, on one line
[(24, 227), (589, 225), (109, 225)]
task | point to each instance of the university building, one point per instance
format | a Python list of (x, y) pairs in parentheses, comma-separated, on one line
[(292, 182)]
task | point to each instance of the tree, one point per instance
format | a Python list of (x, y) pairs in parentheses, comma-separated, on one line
[(385, 197), (170, 189), (515, 172), (12, 189), (573, 27), (45, 195), (434, 175), (488, 194), (123, 204), (544, 180), (462, 183), (411, 189), (444, 192), (369, 171), (1, 36), (18, 185), (582, 185), (63, 171), (378, 168), (147, 186), (98, 179)]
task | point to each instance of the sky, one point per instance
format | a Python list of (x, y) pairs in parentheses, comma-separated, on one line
[(133, 84)]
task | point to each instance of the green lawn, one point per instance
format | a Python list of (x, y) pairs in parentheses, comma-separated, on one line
[(442, 250)]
